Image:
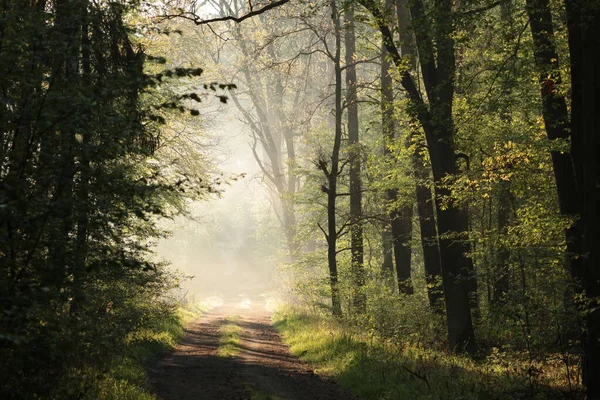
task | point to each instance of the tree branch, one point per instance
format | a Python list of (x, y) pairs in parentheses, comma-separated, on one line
[(481, 9), (200, 21), (323, 230)]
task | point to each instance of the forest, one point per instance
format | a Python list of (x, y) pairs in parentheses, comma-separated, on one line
[(409, 187)]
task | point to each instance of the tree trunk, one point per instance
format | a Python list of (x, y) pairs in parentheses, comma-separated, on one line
[(405, 33), (400, 220), (388, 130), (456, 266), (332, 173), (583, 20), (429, 237), (69, 27), (436, 120), (83, 200), (501, 278), (356, 229), (554, 106), (402, 235), (270, 131)]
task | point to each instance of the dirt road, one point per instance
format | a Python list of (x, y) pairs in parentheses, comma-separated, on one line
[(261, 369)]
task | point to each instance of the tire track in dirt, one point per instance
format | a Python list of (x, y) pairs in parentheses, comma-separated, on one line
[(263, 366)]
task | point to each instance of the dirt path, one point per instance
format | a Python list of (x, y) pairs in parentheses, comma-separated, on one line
[(263, 369)]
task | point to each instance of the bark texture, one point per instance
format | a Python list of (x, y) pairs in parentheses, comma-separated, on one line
[(436, 119), (356, 228), (583, 19)]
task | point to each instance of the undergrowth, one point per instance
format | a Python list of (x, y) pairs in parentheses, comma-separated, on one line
[(375, 368), (125, 378)]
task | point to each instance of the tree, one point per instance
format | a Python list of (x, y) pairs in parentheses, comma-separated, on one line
[(80, 124), (583, 21), (331, 167), (356, 230), (437, 122)]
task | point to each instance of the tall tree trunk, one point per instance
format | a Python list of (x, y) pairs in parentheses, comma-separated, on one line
[(457, 267), (18, 131), (332, 171), (83, 200), (436, 120), (400, 219), (576, 173), (554, 106), (583, 21), (429, 237), (405, 33), (281, 125), (425, 200), (402, 236), (288, 197), (356, 229), (388, 130), (501, 278), (69, 26)]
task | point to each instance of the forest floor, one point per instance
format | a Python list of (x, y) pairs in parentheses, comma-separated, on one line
[(233, 352)]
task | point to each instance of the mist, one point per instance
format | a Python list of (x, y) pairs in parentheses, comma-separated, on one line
[(228, 243)]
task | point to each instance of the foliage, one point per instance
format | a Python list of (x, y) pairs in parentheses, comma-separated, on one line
[(82, 182), (374, 367), (100, 139), (504, 181), (125, 377)]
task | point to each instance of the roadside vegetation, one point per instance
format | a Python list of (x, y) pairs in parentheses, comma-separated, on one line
[(430, 176), (374, 367), (126, 376), (229, 340), (84, 180)]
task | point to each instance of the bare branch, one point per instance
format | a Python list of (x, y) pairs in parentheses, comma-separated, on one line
[(365, 61), (200, 21), (344, 164), (344, 249), (323, 230)]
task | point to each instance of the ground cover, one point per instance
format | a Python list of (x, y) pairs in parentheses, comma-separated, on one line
[(229, 342), (374, 368), (126, 378)]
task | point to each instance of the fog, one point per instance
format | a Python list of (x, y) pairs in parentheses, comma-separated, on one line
[(275, 125), (228, 243)]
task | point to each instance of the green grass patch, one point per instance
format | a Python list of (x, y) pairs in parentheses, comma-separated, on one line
[(233, 319), (126, 377), (229, 340), (376, 369)]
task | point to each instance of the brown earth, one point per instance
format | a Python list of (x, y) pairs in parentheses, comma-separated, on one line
[(264, 369)]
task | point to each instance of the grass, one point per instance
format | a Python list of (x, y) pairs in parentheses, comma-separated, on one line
[(229, 341), (256, 394), (375, 369), (126, 378)]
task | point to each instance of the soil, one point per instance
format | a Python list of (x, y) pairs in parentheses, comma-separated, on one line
[(264, 369)]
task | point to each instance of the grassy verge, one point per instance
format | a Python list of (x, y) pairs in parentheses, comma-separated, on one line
[(126, 377), (229, 341), (375, 369)]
